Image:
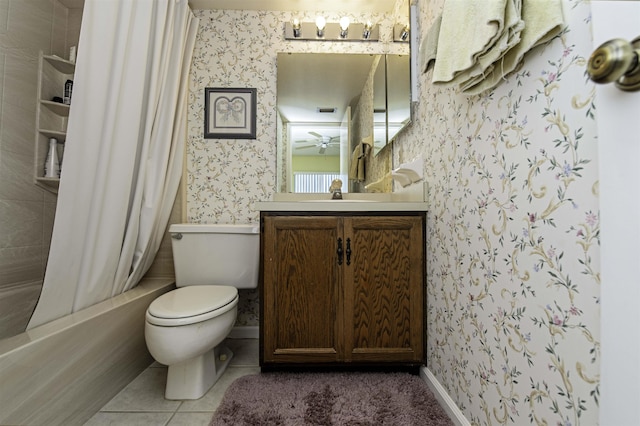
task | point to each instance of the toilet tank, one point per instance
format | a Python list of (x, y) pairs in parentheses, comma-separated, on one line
[(213, 254)]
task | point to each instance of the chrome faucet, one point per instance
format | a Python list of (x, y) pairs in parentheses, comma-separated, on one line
[(336, 189)]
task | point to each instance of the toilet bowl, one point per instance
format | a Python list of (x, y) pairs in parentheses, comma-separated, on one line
[(185, 328), (182, 329)]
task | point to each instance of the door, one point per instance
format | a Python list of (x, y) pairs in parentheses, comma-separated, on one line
[(384, 272), (619, 156), (302, 290)]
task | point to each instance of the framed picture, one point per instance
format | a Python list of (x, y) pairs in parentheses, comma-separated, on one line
[(229, 113)]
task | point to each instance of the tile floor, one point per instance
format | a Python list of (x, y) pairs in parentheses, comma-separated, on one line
[(142, 402)]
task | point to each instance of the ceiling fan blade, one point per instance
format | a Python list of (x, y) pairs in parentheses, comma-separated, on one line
[(317, 135), (305, 147), (322, 150)]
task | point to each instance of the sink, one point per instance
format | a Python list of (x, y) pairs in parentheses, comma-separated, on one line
[(333, 201), (355, 205)]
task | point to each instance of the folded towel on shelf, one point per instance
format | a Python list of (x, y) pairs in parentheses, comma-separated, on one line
[(381, 185), (469, 28), (543, 21), (429, 46), (357, 166), (401, 178)]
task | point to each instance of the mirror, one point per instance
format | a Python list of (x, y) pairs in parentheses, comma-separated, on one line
[(380, 138), (327, 102), (391, 99), (398, 94)]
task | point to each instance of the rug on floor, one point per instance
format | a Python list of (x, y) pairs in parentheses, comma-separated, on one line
[(344, 398)]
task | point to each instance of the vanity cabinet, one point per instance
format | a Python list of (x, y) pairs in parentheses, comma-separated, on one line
[(51, 117), (342, 288)]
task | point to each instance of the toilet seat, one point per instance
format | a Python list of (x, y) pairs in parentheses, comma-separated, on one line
[(192, 304)]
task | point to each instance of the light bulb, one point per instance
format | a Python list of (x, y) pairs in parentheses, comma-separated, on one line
[(320, 23), (366, 33), (295, 25), (344, 27), (405, 33), (344, 23)]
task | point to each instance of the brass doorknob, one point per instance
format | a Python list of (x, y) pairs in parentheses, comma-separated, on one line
[(616, 61)]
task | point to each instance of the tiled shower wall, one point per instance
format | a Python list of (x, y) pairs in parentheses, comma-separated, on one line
[(26, 211)]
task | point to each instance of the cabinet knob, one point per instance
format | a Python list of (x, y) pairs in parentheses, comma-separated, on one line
[(617, 61), (340, 251)]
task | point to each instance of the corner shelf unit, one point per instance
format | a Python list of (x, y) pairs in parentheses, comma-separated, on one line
[(51, 117)]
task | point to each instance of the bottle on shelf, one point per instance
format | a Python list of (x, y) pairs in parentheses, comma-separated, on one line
[(68, 88), (52, 165)]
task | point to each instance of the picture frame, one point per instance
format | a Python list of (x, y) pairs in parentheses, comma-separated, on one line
[(229, 113)]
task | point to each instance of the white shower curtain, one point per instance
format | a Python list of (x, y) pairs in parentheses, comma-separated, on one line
[(124, 150)]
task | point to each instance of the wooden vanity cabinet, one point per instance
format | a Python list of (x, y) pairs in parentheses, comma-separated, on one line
[(342, 289)]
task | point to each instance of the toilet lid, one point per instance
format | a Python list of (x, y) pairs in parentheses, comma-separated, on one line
[(191, 301)]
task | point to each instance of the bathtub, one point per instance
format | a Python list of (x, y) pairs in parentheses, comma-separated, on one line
[(63, 372)]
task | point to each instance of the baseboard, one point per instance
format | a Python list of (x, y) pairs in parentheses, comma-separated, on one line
[(443, 398), (248, 332)]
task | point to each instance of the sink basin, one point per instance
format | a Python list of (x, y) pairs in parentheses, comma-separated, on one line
[(333, 201)]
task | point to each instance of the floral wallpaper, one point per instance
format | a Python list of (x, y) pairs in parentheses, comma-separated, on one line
[(513, 282), (225, 178)]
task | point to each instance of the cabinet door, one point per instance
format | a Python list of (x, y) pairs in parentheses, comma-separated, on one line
[(302, 289), (384, 289)]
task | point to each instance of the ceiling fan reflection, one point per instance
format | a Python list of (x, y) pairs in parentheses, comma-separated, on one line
[(321, 142)]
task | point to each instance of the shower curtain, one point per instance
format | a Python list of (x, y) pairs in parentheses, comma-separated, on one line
[(124, 151)]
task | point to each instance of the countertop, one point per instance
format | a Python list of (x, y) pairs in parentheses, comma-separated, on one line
[(341, 206), (408, 199)]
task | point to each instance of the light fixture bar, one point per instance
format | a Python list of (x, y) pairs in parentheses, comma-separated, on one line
[(332, 32)]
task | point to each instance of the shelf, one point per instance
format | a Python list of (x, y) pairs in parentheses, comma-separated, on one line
[(51, 117), (50, 184), (48, 181), (61, 136), (73, 4), (62, 65), (57, 108)]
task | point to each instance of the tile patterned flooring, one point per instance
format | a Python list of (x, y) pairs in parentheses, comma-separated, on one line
[(142, 402)]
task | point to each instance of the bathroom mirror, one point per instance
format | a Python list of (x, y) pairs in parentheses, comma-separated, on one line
[(318, 95), (398, 94), (380, 137)]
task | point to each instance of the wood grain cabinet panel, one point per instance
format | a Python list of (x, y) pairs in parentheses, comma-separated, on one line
[(342, 289)]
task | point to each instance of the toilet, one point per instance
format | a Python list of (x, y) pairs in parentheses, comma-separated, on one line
[(185, 327)]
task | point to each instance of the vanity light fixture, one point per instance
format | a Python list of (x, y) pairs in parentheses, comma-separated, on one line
[(366, 32), (321, 30), (344, 26), (295, 25), (320, 25), (404, 35), (401, 33)]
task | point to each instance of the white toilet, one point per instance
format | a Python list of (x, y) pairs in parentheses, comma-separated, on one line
[(184, 328)]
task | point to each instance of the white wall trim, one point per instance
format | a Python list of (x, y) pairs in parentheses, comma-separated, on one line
[(443, 398), (248, 332), (618, 156)]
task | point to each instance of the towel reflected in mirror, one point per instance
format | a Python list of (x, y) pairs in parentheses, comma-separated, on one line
[(358, 159)]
